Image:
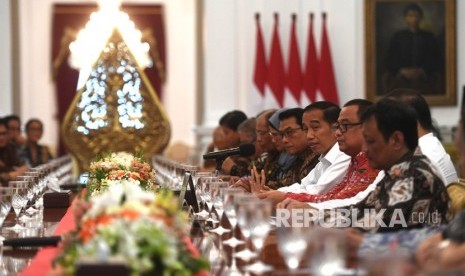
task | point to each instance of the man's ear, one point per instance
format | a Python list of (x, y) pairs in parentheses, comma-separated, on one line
[(397, 140)]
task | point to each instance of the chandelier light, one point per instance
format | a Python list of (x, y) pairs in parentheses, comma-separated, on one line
[(92, 40)]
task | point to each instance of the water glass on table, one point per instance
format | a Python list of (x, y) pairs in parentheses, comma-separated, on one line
[(292, 243), (328, 251), (6, 195), (18, 202), (260, 226)]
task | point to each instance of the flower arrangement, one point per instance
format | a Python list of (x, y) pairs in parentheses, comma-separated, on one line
[(119, 168), (148, 231)]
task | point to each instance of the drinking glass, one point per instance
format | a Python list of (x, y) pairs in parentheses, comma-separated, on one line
[(217, 190), (15, 265), (328, 254), (18, 202), (229, 206), (31, 179), (244, 206), (198, 178), (230, 213), (292, 243), (207, 197), (6, 195), (259, 231), (203, 196)]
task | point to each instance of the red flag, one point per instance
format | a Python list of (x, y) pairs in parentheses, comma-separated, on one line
[(259, 75), (311, 65), (326, 78), (276, 75), (294, 71)]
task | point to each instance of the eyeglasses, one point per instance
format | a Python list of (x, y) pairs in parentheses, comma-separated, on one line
[(289, 131), (276, 134), (344, 126), (262, 132)]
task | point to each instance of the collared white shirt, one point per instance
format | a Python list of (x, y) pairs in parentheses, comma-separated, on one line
[(326, 174), (336, 203), (433, 149)]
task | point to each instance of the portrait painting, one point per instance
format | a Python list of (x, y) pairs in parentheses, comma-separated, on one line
[(411, 44)]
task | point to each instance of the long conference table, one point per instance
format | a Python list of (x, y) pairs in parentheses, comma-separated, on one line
[(32, 260), (58, 221)]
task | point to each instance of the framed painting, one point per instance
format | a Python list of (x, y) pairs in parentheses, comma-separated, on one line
[(411, 44)]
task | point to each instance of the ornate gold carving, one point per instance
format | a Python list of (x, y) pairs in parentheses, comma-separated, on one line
[(116, 110), (149, 37)]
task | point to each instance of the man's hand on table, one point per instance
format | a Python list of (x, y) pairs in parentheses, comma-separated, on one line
[(288, 203)]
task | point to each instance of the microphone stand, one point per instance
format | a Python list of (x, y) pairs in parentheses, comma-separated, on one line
[(219, 164)]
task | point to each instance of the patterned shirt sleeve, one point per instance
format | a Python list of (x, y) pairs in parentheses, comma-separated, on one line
[(406, 241), (410, 195), (358, 177)]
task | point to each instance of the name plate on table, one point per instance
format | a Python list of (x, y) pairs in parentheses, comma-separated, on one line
[(96, 268), (57, 199), (187, 194)]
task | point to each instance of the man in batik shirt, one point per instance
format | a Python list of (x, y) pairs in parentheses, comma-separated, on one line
[(317, 121), (270, 155), (350, 139), (295, 143), (412, 193)]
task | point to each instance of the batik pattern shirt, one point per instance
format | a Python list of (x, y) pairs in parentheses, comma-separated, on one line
[(8, 161), (405, 241), (303, 164), (269, 164), (411, 195), (359, 175)]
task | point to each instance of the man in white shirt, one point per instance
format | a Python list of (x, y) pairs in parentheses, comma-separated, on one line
[(427, 142), (318, 120)]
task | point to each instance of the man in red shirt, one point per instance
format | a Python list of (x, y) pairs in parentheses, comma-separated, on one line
[(349, 136)]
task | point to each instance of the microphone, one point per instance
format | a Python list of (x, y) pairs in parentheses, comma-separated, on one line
[(73, 186), (242, 150), (32, 241)]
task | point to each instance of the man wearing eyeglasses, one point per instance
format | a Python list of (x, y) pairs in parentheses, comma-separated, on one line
[(360, 178), (10, 165), (268, 161), (295, 143), (292, 141), (428, 144), (317, 121)]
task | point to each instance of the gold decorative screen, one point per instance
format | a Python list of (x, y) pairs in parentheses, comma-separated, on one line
[(116, 109)]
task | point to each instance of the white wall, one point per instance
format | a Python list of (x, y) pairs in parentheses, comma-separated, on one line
[(229, 43), (5, 59), (345, 24)]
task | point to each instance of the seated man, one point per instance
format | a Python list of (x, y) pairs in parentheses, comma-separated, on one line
[(295, 143), (238, 165), (269, 159), (229, 123), (408, 240), (411, 194), (286, 172), (13, 124), (317, 120), (219, 142), (360, 174), (10, 165), (428, 143)]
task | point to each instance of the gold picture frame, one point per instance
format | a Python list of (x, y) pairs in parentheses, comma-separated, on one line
[(411, 44)]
